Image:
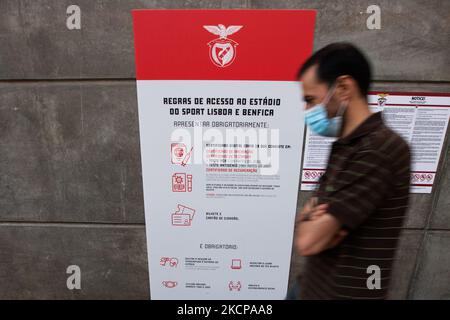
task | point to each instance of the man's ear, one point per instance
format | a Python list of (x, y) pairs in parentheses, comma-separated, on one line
[(345, 88)]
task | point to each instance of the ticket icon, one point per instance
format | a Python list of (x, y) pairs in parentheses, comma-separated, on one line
[(183, 216)]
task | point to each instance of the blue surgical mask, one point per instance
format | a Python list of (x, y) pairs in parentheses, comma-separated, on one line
[(317, 118)]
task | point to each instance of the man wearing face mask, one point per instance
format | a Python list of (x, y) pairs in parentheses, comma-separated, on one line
[(349, 228)]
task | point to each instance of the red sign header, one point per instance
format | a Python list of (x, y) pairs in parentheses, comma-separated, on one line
[(222, 44)]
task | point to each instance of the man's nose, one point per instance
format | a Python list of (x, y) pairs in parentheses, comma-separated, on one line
[(308, 106)]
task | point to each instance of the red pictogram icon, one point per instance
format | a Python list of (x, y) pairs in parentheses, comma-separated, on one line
[(179, 153), (236, 264), (183, 216), (169, 284), (234, 286), (166, 261), (181, 182)]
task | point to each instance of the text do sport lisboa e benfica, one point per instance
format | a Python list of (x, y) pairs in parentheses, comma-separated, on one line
[(222, 101)]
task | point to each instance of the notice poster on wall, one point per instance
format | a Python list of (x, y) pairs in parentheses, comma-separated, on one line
[(420, 118), (221, 132)]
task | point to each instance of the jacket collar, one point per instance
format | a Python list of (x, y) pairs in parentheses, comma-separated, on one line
[(366, 127)]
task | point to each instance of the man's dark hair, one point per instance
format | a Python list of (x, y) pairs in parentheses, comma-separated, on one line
[(338, 59)]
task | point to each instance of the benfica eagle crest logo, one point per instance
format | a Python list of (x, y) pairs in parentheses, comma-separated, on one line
[(222, 51), (382, 99)]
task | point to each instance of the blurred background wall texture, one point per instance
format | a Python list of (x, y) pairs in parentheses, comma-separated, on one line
[(70, 171)]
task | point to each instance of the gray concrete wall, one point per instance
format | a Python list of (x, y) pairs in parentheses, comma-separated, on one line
[(70, 172)]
